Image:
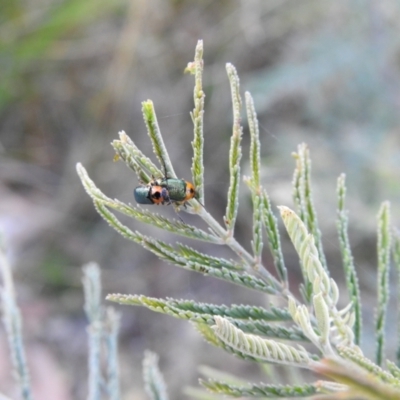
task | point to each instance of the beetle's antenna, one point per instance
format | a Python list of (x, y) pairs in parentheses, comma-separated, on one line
[(165, 168)]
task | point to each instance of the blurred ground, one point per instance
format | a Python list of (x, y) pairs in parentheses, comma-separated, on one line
[(74, 73)]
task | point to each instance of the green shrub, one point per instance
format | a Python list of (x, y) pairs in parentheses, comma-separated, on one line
[(273, 335), (263, 335)]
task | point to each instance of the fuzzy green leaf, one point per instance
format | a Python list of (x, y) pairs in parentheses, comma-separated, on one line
[(305, 246), (237, 312), (299, 236), (347, 258), (204, 313), (358, 358), (242, 279), (209, 335), (201, 258), (171, 225), (135, 159), (298, 198), (317, 276), (254, 181), (270, 330), (271, 226), (396, 258), (254, 346), (259, 390), (169, 254), (257, 242), (302, 195), (235, 152), (383, 249), (254, 141), (393, 369), (197, 118), (154, 133), (159, 248), (162, 306)]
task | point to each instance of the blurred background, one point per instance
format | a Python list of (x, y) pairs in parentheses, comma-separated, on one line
[(73, 73)]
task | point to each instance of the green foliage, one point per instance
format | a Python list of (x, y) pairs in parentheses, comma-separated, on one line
[(135, 159), (302, 197), (206, 313), (197, 117), (153, 130), (396, 257), (348, 264), (271, 225), (262, 349), (263, 335), (235, 152), (102, 202), (262, 214), (260, 390), (383, 250)]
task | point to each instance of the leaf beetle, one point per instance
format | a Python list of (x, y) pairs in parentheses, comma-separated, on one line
[(165, 190)]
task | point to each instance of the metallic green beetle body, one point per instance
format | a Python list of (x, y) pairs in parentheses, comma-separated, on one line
[(178, 189)]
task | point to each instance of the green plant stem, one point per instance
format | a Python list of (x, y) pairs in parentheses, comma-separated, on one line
[(251, 262)]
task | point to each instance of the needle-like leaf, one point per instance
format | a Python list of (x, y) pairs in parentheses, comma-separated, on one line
[(153, 130), (383, 248), (348, 264), (197, 118), (235, 152)]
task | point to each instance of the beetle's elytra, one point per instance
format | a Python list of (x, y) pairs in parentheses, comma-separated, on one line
[(151, 194), (164, 191)]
